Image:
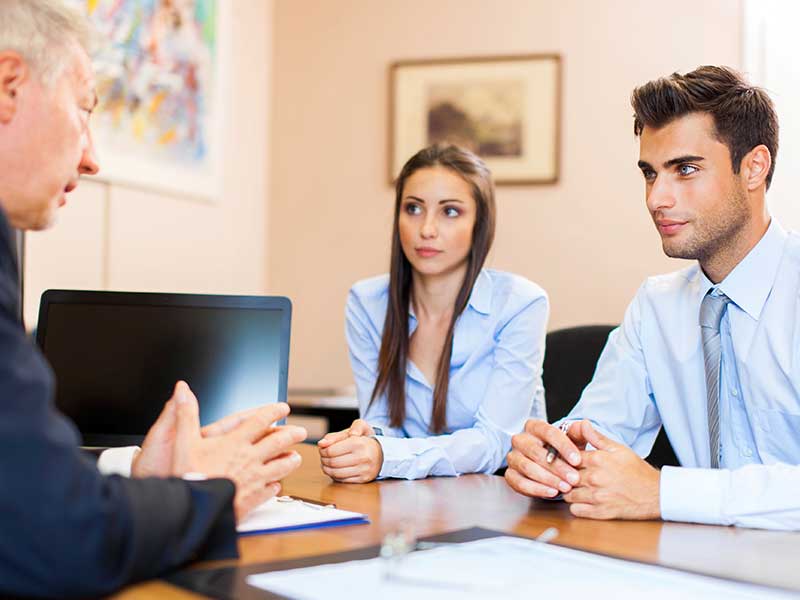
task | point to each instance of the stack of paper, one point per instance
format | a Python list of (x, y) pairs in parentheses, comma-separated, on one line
[(501, 567)]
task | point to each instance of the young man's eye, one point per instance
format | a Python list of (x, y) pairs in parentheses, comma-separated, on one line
[(687, 169), (649, 175)]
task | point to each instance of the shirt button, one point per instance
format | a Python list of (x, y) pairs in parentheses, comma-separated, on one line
[(735, 392), (748, 452)]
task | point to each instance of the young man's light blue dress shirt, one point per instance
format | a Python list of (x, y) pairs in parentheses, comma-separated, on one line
[(651, 373), (495, 377)]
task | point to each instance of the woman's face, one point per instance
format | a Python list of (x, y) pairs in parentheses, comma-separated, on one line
[(437, 215)]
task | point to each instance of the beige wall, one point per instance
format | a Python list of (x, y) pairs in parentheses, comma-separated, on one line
[(114, 237), (587, 240), (306, 208)]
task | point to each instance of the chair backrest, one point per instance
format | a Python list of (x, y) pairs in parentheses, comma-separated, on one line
[(570, 360)]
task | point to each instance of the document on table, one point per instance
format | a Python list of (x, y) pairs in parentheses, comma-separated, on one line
[(501, 567), (287, 514)]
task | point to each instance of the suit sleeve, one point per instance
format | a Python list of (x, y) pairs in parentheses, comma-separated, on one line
[(66, 529)]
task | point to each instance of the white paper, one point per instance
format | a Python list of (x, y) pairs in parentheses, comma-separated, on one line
[(281, 513), (501, 567)]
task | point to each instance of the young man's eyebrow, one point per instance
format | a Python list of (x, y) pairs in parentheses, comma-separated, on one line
[(679, 160), (643, 164)]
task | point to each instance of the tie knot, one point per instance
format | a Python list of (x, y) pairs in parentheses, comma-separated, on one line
[(712, 309)]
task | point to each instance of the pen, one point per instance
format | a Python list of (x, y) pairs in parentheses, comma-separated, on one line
[(552, 453)]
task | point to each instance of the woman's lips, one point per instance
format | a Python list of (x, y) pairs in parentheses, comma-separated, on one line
[(428, 252)]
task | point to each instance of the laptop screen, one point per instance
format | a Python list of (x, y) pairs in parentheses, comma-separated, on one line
[(116, 363)]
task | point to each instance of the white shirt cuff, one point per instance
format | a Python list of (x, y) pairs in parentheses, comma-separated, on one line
[(396, 461), (693, 495), (117, 461)]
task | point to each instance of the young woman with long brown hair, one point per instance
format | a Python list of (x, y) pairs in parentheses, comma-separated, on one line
[(447, 356)]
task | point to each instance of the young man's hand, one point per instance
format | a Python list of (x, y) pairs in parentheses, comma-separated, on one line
[(615, 483), (529, 472)]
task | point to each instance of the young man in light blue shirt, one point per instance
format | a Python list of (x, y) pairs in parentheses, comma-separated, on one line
[(711, 352)]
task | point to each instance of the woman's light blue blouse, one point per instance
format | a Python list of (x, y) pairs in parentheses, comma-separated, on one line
[(495, 377)]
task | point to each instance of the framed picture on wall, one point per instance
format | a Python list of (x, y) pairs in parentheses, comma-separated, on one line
[(505, 108), (157, 122)]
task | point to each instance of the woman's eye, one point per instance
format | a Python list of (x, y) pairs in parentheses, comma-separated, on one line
[(451, 212), (413, 209)]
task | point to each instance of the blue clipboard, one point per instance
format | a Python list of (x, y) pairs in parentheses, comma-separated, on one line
[(285, 513)]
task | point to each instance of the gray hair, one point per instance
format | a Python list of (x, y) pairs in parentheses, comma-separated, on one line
[(42, 31)]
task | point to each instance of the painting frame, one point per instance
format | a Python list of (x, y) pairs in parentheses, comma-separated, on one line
[(413, 84), (138, 168)]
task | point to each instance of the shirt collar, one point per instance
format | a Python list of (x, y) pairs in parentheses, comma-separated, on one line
[(751, 281), (481, 297), (480, 300)]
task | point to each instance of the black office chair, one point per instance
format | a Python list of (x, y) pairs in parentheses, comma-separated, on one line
[(569, 362)]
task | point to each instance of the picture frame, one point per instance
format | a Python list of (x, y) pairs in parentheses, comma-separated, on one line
[(507, 109), (161, 88)]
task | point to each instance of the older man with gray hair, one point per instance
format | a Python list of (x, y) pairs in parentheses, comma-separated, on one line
[(66, 529)]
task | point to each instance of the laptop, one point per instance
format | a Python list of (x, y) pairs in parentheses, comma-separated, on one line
[(117, 356)]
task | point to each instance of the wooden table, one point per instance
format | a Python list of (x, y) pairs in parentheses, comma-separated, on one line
[(438, 505)]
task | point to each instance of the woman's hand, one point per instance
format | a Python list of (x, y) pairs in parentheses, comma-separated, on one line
[(351, 456)]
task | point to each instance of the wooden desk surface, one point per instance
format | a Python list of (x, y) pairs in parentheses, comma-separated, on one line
[(438, 505)]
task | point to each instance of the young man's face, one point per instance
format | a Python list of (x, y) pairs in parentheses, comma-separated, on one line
[(698, 204), (48, 144)]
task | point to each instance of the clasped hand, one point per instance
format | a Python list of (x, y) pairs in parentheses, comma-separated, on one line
[(245, 447), (610, 482), (351, 456)]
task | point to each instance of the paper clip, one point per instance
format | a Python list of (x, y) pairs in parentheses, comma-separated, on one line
[(289, 499)]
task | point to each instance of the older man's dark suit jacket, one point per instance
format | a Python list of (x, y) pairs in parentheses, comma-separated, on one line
[(65, 529)]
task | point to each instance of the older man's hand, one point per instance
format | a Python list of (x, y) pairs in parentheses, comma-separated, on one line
[(245, 447)]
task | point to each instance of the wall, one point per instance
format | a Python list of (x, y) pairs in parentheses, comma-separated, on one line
[(770, 58), (114, 237), (588, 240)]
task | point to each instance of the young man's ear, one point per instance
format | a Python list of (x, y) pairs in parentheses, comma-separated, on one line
[(13, 73), (755, 167)]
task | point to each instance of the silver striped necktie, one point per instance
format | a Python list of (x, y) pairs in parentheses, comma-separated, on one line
[(711, 310)]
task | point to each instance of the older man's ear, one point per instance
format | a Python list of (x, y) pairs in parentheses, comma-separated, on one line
[(13, 73)]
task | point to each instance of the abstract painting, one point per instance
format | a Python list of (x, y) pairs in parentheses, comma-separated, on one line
[(505, 109), (156, 82)]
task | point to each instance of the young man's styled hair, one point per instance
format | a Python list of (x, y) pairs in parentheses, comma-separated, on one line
[(41, 31), (743, 114)]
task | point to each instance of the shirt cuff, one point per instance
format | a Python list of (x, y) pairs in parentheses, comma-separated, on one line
[(397, 461), (117, 461), (693, 495)]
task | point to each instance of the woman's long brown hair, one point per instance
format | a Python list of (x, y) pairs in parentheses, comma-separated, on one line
[(393, 357)]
